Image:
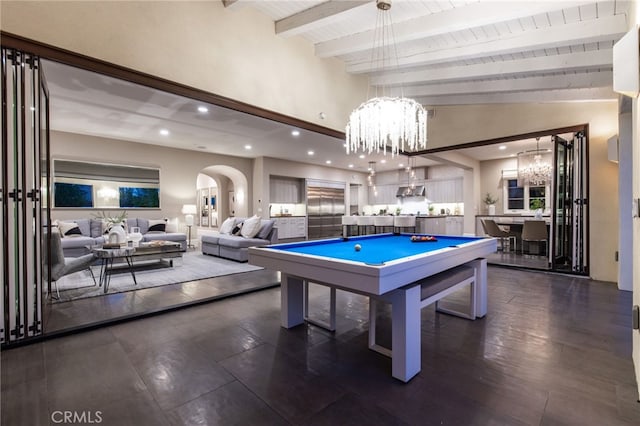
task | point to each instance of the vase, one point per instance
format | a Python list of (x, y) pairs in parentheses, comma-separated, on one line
[(117, 235), (135, 236), (491, 208)]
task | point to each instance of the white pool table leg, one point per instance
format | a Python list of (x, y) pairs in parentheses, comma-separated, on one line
[(405, 339), (292, 301), (481, 286)]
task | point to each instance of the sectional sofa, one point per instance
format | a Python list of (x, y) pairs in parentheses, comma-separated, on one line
[(90, 232), (236, 247)]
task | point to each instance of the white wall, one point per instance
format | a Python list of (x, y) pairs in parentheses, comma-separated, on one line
[(276, 167), (233, 53), (179, 169)]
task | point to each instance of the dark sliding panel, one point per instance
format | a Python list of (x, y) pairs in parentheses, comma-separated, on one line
[(24, 169)]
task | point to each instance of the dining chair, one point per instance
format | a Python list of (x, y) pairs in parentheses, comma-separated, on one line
[(382, 222), (401, 223), (365, 224), (62, 266), (492, 229), (535, 230)]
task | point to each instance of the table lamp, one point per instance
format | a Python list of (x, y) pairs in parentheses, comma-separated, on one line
[(188, 210)]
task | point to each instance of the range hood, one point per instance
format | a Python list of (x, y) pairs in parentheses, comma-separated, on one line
[(405, 191)]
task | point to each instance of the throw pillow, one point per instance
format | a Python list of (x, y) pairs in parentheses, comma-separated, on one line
[(250, 227), (237, 229), (69, 229), (157, 226), (265, 229), (227, 225)]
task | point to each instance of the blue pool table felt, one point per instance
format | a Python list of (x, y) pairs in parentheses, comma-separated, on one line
[(374, 250)]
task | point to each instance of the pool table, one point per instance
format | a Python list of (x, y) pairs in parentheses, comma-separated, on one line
[(381, 267)]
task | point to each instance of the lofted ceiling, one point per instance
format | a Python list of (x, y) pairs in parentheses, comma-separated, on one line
[(449, 52), (465, 51)]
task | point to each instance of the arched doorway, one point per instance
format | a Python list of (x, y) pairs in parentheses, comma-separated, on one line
[(222, 192)]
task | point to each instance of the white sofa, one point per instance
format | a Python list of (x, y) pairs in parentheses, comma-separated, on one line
[(236, 247), (75, 245)]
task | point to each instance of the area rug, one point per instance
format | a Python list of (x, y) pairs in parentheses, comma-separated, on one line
[(192, 266)]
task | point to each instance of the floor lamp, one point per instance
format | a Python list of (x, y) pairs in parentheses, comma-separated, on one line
[(188, 210)]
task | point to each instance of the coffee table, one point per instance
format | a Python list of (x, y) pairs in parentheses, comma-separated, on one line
[(155, 250)]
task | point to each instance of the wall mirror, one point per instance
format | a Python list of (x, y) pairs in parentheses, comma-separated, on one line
[(82, 184)]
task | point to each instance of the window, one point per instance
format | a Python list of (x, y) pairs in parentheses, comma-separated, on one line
[(517, 197), (537, 197)]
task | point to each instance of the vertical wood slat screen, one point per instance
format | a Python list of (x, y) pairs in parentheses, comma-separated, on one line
[(24, 171)]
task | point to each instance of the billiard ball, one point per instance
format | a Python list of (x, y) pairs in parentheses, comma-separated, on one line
[(357, 247)]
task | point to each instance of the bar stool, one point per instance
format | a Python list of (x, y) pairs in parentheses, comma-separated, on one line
[(401, 223), (348, 222), (364, 222), (381, 222)]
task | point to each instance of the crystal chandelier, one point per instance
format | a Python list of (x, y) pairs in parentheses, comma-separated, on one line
[(384, 120), (532, 169)]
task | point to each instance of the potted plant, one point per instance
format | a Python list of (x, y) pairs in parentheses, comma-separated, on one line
[(490, 202), (431, 209), (537, 206)]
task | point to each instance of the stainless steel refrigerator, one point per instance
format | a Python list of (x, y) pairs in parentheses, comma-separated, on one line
[(325, 208)]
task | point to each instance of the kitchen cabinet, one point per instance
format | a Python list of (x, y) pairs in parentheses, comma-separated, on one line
[(285, 190), (445, 190), (441, 225), (386, 194), (454, 225), (432, 225), (291, 227)]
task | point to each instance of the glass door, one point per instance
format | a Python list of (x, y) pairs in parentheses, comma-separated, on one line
[(570, 212)]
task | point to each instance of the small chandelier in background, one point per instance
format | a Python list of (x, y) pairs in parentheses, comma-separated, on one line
[(411, 172), (384, 120), (532, 169), (371, 178)]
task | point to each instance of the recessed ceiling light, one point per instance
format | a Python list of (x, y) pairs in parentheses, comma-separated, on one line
[(164, 132), (310, 152), (383, 161), (203, 109), (247, 147), (548, 150), (351, 166), (400, 165), (502, 147), (361, 156), (295, 133), (328, 161), (512, 155)]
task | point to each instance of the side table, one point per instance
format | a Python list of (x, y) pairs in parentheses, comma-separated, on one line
[(107, 256)]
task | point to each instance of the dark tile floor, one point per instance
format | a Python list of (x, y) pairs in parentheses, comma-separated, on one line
[(90, 311), (553, 350)]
